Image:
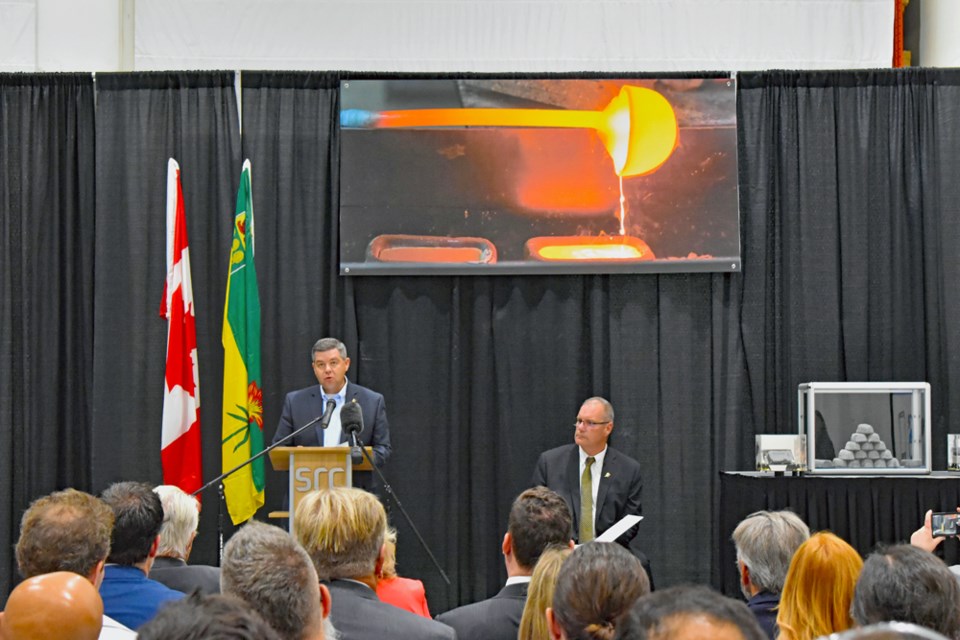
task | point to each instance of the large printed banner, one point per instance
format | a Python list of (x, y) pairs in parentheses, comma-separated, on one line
[(481, 176)]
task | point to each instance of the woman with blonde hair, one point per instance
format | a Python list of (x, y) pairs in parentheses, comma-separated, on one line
[(819, 588), (404, 593), (533, 623)]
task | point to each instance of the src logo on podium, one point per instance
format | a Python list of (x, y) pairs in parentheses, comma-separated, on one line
[(307, 479)]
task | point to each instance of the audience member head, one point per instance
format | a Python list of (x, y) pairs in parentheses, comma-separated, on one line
[(819, 588), (597, 585), (266, 568), (67, 530), (689, 613), (138, 516), (61, 605), (199, 617), (889, 631), (533, 623), (181, 517), (539, 517), (907, 584), (343, 531), (766, 542)]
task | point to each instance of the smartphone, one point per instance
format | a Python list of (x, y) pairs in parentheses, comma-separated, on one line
[(944, 524)]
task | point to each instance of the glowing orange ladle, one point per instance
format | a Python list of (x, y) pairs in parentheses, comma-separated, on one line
[(638, 128)]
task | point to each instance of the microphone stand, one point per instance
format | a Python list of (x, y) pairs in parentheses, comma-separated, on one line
[(389, 490), (257, 456)]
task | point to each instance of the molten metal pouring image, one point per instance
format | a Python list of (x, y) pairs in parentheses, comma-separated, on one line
[(638, 129), (514, 174)]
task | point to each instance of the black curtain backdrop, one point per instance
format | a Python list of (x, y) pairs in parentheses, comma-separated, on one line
[(850, 238), (46, 292), (142, 120)]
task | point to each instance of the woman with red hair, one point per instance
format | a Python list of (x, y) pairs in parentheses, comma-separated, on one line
[(819, 588)]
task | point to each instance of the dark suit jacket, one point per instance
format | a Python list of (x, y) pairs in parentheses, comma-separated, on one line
[(618, 494), (181, 576), (358, 614), (763, 605), (300, 407), (497, 618)]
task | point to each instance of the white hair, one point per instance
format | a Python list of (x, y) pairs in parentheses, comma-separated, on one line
[(181, 516)]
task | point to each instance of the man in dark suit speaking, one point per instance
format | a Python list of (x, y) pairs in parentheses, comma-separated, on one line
[(599, 484), (330, 365)]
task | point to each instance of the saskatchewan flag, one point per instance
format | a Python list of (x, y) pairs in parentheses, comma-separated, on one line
[(242, 394)]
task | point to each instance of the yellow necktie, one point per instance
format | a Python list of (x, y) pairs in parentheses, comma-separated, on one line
[(586, 503)]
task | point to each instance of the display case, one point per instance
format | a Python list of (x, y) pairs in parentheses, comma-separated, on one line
[(866, 428), (781, 453), (953, 452)]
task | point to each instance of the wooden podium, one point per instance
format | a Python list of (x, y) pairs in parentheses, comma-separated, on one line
[(314, 468)]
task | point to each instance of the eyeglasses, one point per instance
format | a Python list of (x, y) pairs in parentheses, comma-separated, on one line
[(589, 423)]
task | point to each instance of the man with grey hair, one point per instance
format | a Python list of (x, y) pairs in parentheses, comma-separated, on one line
[(907, 584), (266, 568), (330, 366), (181, 516), (766, 542)]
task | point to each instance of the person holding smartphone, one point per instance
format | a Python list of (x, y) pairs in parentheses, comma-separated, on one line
[(927, 539)]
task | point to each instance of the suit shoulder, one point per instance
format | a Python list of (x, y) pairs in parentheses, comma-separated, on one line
[(490, 619), (363, 392), (558, 452), (619, 457), (306, 392), (420, 627), (465, 614)]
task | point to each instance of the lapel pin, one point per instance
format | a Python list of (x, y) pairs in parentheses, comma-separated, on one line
[(606, 475)]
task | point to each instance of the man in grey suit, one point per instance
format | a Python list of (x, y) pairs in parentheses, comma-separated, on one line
[(538, 518), (330, 366), (181, 517), (600, 484), (343, 530)]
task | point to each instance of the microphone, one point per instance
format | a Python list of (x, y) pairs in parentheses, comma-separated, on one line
[(351, 421), (327, 414)]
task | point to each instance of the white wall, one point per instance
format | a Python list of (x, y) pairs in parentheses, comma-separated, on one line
[(445, 35), (18, 28), (939, 44)]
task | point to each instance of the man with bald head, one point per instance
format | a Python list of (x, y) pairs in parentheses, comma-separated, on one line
[(60, 605)]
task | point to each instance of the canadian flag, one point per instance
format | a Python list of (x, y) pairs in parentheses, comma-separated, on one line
[(180, 439)]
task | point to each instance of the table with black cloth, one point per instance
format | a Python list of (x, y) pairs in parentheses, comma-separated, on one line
[(863, 510)]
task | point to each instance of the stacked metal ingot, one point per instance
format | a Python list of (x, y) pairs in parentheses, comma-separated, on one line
[(865, 450)]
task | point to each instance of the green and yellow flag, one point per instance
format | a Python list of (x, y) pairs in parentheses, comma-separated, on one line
[(242, 394)]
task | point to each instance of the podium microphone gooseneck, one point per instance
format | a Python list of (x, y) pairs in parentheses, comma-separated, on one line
[(324, 421), (351, 421)]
